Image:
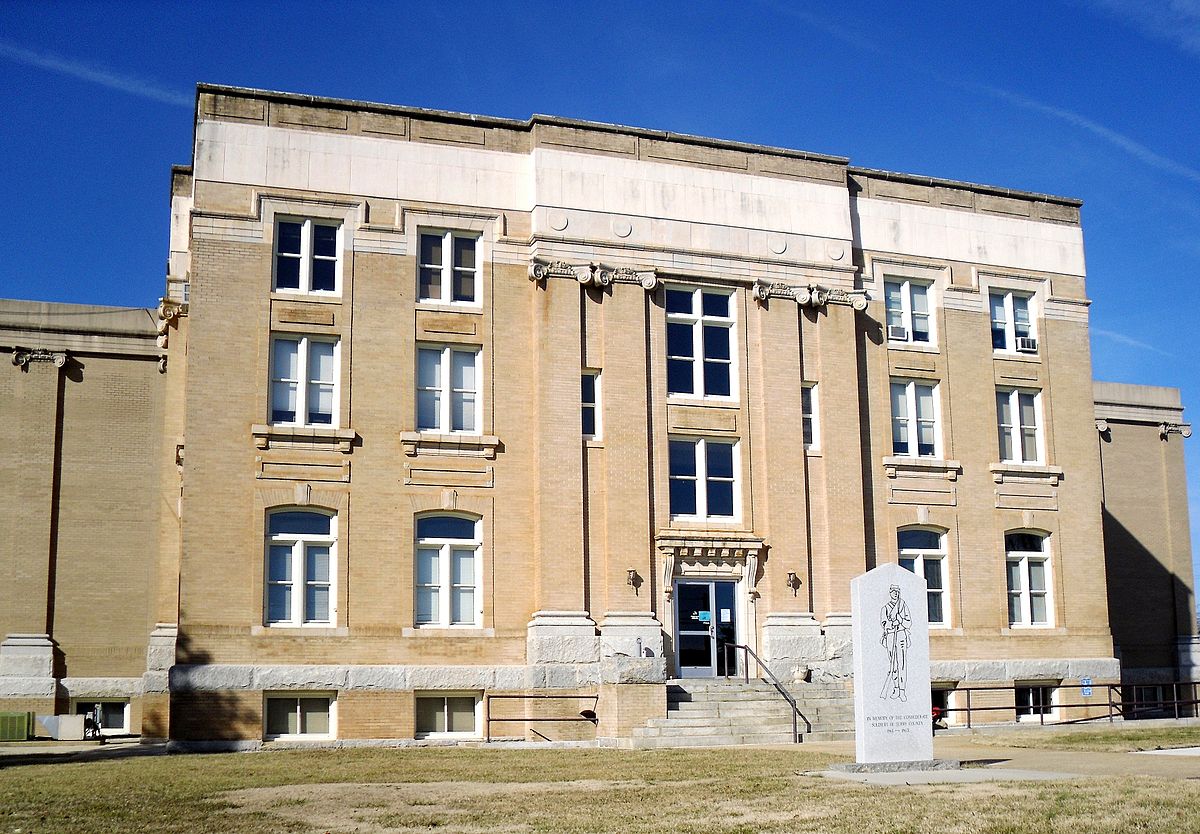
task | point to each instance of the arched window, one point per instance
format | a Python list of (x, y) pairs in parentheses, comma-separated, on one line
[(300, 569), (447, 575), (1028, 567), (924, 553)]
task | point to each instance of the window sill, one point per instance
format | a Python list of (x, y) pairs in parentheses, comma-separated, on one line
[(915, 347), (1025, 473), (896, 465), (1018, 628), (813, 452), (691, 522), (1018, 356), (299, 295), (944, 631), (300, 631), (593, 443), (447, 631), (310, 436), (474, 308), (459, 445), (710, 402)]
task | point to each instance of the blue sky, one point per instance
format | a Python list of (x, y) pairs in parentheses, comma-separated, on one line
[(1097, 99)]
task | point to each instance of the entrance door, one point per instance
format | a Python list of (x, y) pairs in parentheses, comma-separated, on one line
[(705, 622)]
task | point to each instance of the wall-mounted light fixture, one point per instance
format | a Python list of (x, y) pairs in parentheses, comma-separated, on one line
[(631, 577), (793, 582)]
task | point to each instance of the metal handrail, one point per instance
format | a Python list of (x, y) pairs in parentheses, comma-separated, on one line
[(774, 681), (1115, 702), (488, 719)]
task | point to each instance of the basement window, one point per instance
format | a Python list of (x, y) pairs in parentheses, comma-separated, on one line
[(447, 714), (300, 715)]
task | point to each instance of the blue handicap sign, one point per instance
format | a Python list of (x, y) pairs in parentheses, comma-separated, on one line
[(1086, 691), (706, 616)]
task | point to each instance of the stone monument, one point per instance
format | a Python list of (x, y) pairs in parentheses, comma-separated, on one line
[(890, 622)]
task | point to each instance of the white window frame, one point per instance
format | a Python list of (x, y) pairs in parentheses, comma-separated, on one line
[(331, 697), (1023, 558), (920, 557), (700, 452), (1015, 430), (906, 287), (810, 416), (1036, 714), (123, 730), (304, 341), (594, 405), (307, 256), (446, 586), (448, 269), (913, 419), (1009, 323), (299, 543), (445, 390), (443, 694), (697, 321)]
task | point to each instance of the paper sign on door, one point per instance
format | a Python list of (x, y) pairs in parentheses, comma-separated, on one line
[(726, 615)]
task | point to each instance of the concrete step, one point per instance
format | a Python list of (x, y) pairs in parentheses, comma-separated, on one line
[(829, 735), (713, 741), (717, 730)]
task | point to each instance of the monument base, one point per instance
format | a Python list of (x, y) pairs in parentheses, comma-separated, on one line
[(897, 767)]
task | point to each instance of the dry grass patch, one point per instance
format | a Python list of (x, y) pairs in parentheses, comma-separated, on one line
[(471, 791)]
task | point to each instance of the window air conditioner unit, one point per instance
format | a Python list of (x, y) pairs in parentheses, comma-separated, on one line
[(897, 333), (1026, 344)]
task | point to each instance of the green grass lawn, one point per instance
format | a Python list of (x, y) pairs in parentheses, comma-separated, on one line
[(493, 790), (1096, 739)]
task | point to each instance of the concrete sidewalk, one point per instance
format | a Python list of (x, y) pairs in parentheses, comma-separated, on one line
[(983, 762), (45, 752)]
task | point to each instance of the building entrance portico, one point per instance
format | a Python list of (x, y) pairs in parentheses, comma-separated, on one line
[(705, 624)]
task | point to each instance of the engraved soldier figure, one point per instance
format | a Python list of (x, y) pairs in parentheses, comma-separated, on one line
[(896, 622)]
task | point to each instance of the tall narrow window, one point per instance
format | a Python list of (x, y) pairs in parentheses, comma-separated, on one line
[(449, 268), (914, 419), (924, 553), (590, 403), (306, 256), (703, 484), (907, 307), (300, 568), (1018, 425), (448, 389), (1028, 570), (447, 582), (808, 416), (700, 342), (304, 374), (1012, 324)]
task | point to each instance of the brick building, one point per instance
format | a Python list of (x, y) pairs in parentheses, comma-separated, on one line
[(440, 406)]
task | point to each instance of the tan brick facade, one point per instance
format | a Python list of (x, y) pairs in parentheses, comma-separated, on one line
[(457, 535)]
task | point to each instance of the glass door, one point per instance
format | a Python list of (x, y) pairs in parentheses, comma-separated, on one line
[(704, 624)]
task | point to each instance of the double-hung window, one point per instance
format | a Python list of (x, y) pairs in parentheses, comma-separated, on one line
[(703, 483), (447, 572), (914, 419), (1027, 564), (448, 272), (300, 568), (924, 553), (700, 339), (1018, 425), (306, 256), (1012, 324), (304, 381), (590, 404), (448, 389), (907, 307), (809, 425)]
